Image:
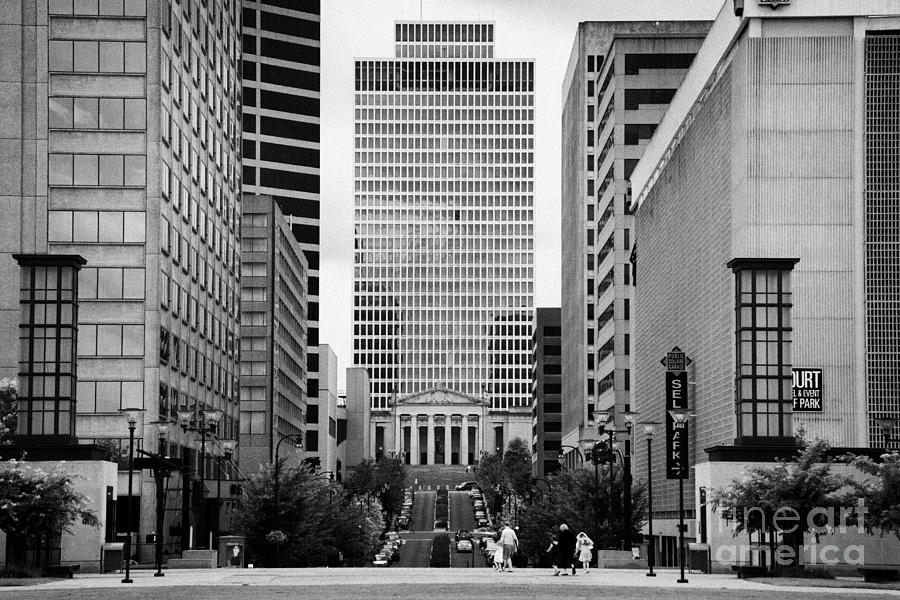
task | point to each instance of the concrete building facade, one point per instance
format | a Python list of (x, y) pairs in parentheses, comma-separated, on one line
[(274, 279), (766, 250), (619, 80), (121, 144), (444, 193), (546, 391)]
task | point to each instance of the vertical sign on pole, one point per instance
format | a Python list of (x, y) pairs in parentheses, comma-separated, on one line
[(676, 398)]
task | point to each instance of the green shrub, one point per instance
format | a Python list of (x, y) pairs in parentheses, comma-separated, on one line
[(816, 573), (440, 551)]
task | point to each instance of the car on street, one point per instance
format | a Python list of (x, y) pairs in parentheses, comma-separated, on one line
[(464, 545), (465, 486)]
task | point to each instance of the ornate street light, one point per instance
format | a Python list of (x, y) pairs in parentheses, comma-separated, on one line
[(680, 421), (297, 439), (208, 418), (887, 428), (162, 430), (649, 430), (131, 415)]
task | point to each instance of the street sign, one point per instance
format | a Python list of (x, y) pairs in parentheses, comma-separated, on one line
[(676, 449), (675, 360), (676, 363), (806, 391), (676, 390)]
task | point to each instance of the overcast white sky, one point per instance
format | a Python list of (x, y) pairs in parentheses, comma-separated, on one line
[(540, 29)]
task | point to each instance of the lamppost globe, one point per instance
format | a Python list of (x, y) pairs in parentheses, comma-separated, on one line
[(131, 416)]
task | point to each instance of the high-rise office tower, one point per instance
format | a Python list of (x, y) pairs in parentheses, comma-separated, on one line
[(620, 78), (121, 145), (443, 266), (546, 391), (281, 129)]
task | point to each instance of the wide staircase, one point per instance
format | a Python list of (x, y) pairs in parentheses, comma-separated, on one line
[(436, 476)]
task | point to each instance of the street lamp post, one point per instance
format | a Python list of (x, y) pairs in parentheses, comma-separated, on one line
[(162, 429), (629, 417), (562, 456), (649, 430), (208, 418), (297, 438), (887, 427), (131, 414), (601, 418), (679, 418)]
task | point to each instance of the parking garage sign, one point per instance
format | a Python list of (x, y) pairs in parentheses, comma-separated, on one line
[(807, 390)]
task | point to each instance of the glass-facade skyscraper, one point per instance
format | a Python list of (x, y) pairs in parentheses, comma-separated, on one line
[(444, 221)]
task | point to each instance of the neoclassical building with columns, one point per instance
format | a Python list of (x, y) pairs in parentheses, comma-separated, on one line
[(439, 426)]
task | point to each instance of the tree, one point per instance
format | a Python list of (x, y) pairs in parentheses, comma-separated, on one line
[(582, 502), (8, 409), (384, 480), (782, 498), (516, 466), (882, 494), (37, 505), (490, 477), (310, 524)]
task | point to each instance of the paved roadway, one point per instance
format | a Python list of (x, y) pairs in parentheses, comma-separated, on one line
[(462, 517), (423, 511), (433, 584)]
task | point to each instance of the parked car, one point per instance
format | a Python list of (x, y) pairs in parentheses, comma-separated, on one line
[(465, 486), (464, 545)]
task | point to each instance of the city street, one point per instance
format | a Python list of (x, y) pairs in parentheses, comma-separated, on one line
[(416, 583)]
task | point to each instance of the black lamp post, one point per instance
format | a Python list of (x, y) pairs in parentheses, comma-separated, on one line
[(887, 427), (208, 418), (649, 430), (601, 418), (131, 414), (561, 457), (628, 417), (162, 429), (679, 418), (297, 438)]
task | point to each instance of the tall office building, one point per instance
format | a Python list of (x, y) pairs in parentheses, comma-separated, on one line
[(121, 145), (443, 265), (281, 129), (273, 332), (620, 78)]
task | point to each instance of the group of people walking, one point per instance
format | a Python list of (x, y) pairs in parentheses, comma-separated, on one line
[(567, 549)]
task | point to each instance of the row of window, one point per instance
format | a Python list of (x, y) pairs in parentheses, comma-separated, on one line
[(96, 226), (448, 99), (97, 113), (92, 170), (444, 51), (408, 130), (101, 8), (442, 143), (97, 57), (451, 158), (110, 340), (110, 283), (109, 396), (450, 116)]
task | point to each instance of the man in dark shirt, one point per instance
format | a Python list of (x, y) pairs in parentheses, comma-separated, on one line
[(566, 548)]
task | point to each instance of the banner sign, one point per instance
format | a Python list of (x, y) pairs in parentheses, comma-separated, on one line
[(807, 390), (675, 363)]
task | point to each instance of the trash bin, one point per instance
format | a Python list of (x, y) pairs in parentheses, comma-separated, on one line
[(113, 557), (698, 557), (232, 553)]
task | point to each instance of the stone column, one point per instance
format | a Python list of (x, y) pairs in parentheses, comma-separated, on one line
[(414, 441), (448, 440), (464, 442), (430, 448), (473, 420)]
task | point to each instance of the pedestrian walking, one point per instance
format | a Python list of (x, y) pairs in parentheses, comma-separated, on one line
[(510, 543), (553, 553), (585, 545), (566, 548), (498, 558)]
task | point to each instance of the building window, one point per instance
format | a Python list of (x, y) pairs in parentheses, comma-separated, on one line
[(763, 349), (47, 346)]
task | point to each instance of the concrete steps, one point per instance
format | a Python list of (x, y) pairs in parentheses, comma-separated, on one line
[(436, 476)]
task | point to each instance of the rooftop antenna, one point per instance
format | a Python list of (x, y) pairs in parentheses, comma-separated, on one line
[(420, 10)]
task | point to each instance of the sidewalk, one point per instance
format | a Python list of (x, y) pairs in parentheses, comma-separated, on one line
[(606, 578)]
